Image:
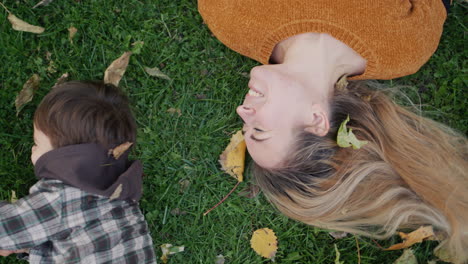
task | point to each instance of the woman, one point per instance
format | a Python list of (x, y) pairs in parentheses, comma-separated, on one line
[(411, 172)]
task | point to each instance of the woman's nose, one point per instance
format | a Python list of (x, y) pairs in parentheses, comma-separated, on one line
[(245, 112)]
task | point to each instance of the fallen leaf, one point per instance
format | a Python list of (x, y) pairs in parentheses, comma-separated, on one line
[(417, 236), (337, 258), (443, 254), (184, 184), (43, 3), (157, 73), (13, 198), (407, 257), (219, 259), (61, 80), (116, 193), (177, 212), (338, 234), (120, 149), (264, 242), (137, 46), (71, 33), (20, 25), (116, 69), (174, 110), (168, 249), (233, 157), (346, 138), (250, 192), (27, 93)]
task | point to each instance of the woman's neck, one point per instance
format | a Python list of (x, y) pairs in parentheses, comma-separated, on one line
[(320, 58)]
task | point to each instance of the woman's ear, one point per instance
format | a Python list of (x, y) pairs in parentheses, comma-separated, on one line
[(319, 123)]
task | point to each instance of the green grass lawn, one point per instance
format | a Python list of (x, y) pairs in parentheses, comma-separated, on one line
[(180, 152)]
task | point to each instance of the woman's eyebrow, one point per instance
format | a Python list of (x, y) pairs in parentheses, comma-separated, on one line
[(256, 139)]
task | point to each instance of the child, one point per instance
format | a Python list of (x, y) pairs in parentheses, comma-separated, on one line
[(84, 208)]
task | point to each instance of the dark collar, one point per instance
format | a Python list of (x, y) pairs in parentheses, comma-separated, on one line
[(90, 168)]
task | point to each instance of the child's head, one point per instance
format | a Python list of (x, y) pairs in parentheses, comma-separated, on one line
[(83, 112)]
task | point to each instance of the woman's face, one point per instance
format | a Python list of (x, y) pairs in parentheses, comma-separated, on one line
[(278, 106)]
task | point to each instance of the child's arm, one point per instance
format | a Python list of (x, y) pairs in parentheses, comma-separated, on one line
[(32, 220)]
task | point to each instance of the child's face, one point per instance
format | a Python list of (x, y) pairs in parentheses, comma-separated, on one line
[(41, 145)]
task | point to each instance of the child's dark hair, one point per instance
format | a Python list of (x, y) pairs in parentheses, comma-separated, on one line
[(80, 112)]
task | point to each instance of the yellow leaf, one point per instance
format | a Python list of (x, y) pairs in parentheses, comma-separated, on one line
[(156, 72), (26, 94), (168, 249), (13, 198), (417, 236), (120, 149), (71, 33), (233, 157), (346, 138), (20, 25), (116, 70), (264, 242)]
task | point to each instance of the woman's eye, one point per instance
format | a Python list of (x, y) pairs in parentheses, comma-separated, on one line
[(258, 130)]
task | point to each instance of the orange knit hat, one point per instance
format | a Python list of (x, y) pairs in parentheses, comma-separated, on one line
[(396, 37)]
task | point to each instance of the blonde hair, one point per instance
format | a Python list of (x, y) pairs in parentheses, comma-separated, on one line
[(412, 172)]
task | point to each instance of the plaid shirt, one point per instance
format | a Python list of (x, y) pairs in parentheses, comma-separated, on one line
[(63, 224)]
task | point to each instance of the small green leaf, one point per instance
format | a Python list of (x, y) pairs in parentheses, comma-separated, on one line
[(346, 138), (137, 46)]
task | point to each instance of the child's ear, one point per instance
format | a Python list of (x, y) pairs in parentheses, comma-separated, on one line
[(319, 123)]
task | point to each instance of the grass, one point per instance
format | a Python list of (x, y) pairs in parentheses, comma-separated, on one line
[(180, 153)]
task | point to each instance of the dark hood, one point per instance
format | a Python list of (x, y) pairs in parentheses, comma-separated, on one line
[(90, 168)]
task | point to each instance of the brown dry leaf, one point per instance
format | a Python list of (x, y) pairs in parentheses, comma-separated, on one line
[(27, 93), (71, 33), (43, 3), (250, 192), (20, 25), (116, 69), (157, 73), (417, 236), (233, 157), (120, 149), (174, 110), (264, 242), (61, 80)]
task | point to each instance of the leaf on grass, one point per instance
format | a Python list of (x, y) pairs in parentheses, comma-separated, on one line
[(116, 193), (71, 33), (156, 72), (417, 236), (116, 69), (338, 234), (20, 25), (51, 68), (43, 3), (233, 157), (61, 80), (250, 192), (337, 258), (219, 259), (346, 138), (137, 46), (184, 184), (177, 212), (13, 198), (120, 149), (442, 253), (168, 249), (174, 111), (407, 257), (264, 242), (27, 93)]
